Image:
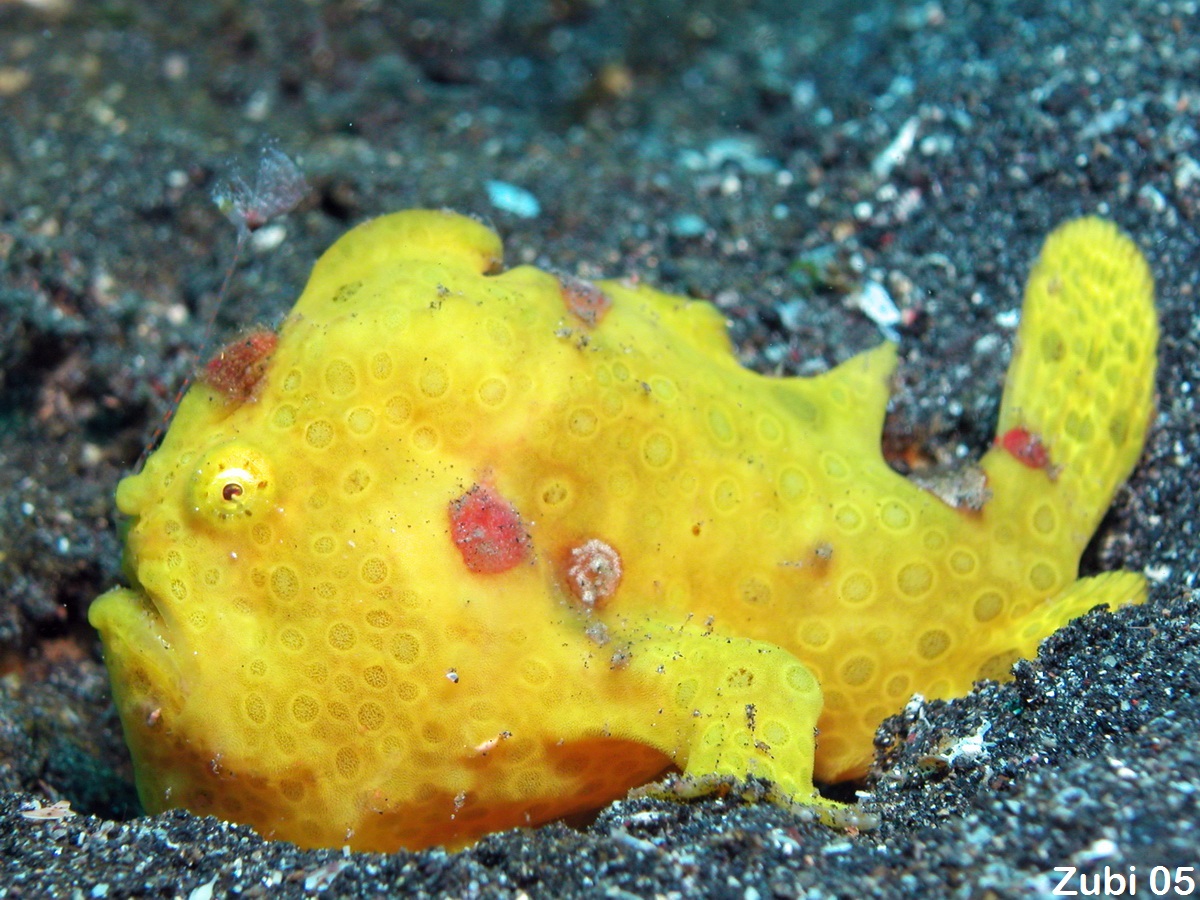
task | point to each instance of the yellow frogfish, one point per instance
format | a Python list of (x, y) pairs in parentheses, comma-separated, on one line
[(462, 549)]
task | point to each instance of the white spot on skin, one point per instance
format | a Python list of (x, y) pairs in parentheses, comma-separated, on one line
[(594, 573), (485, 747)]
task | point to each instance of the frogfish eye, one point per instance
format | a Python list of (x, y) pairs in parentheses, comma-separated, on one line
[(232, 483)]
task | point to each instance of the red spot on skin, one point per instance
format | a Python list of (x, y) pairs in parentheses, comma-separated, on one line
[(488, 531), (586, 301), (237, 369), (1025, 447), (593, 573)]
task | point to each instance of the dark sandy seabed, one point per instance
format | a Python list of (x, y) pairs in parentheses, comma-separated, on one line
[(728, 150)]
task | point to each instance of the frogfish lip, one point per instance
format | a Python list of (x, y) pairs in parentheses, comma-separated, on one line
[(143, 663), (130, 617)]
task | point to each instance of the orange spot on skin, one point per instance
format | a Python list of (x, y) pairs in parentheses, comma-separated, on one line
[(1026, 447), (488, 531), (583, 299), (237, 369)]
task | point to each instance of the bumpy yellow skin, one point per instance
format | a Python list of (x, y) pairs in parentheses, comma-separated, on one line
[(309, 653)]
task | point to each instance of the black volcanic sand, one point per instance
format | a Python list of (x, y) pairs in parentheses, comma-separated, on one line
[(728, 151)]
